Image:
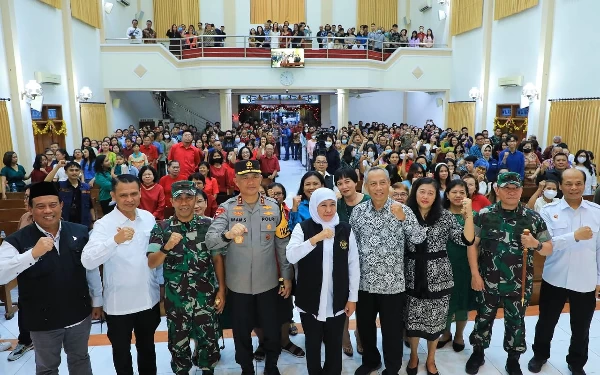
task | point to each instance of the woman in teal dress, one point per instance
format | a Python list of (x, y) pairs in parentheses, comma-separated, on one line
[(13, 174), (462, 299)]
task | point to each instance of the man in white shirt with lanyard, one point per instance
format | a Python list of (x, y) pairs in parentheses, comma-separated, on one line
[(572, 272), (134, 33), (120, 241)]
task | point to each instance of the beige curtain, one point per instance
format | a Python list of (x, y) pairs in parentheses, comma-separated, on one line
[(55, 3), (380, 12), (169, 12), (505, 8), (293, 11), (93, 121), (577, 122), (461, 115), (87, 11), (466, 15), (5, 138)]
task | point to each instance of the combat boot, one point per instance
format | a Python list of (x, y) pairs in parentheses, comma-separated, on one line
[(476, 360), (512, 364)]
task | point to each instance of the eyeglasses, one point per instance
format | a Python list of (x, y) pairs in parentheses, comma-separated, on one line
[(398, 195), (277, 194)]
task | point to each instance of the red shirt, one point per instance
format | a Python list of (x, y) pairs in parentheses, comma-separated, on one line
[(188, 158), (224, 177), (211, 206), (479, 201), (151, 153), (166, 182), (127, 152), (211, 187), (269, 165), (153, 200)]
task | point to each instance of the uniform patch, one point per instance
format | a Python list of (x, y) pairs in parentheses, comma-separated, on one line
[(268, 213), (237, 213), (343, 245), (267, 207), (238, 208), (268, 237), (269, 227), (219, 211)]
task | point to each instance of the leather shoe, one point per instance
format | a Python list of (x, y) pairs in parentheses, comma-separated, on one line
[(535, 365), (476, 360), (458, 347), (512, 364), (366, 370), (443, 343), (575, 371), (412, 371)]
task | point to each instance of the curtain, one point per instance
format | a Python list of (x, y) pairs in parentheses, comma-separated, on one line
[(577, 122), (54, 3), (169, 12), (5, 138), (461, 115), (93, 121), (87, 11), (280, 11), (380, 12), (466, 15), (505, 8)]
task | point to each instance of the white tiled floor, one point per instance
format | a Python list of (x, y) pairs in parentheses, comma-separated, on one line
[(448, 362)]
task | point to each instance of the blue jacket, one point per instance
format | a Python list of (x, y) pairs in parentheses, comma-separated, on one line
[(302, 214), (515, 162), (65, 192), (286, 134)]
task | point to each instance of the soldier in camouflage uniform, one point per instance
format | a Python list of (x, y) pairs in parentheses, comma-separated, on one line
[(194, 282), (499, 234)]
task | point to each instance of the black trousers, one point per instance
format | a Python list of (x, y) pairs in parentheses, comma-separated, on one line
[(249, 311), (330, 332), (390, 308), (296, 151), (24, 335), (552, 301), (106, 207), (143, 324)]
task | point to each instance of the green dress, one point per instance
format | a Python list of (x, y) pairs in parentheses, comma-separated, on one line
[(14, 177), (463, 297)]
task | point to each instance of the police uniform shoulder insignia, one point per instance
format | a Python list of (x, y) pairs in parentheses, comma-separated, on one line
[(219, 211), (239, 200), (262, 199)]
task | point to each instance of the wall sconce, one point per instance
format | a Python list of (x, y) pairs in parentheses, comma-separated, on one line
[(475, 94), (32, 90), (530, 92), (85, 94), (108, 6), (443, 2)]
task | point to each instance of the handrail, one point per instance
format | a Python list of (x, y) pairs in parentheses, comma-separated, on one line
[(211, 43), (181, 107)]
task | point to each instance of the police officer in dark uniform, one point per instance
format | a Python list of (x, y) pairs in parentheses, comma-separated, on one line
[(250, 227)]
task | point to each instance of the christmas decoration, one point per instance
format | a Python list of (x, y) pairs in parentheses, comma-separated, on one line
[(510, 125), (276, 107), (49, 127)]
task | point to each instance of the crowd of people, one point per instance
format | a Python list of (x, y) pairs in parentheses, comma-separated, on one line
[(299, 35), (416, 225)]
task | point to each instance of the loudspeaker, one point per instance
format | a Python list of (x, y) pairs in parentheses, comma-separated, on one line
[(116, 103), (439, 102)]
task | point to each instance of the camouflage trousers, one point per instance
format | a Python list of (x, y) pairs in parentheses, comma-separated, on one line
[(197, 320), (514, 322)]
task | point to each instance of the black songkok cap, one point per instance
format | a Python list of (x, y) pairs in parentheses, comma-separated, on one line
[(41, 189)]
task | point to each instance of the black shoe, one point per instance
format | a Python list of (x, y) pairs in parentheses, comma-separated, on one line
[(512, 364), (407, 344), (575, 371), (535, 365), (458, 347), (365, 370), (476, 360), (443, 343), (429, 372), (413, 370)]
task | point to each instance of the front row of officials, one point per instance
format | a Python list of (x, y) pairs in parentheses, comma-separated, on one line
[(60, 289)]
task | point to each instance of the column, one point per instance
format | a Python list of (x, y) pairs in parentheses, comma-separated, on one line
[(229, 20), (226, 109), (482, 122), (342, 108), (73, 137)]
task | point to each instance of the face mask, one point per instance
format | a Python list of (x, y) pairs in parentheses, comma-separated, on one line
[(237, 140), (167, 136), (344, 141), (527, 150), (402, 156), (550, 194), (370, 154), (327, 144), (313, 137), (581, 159), (424, 166), (410, 155), (388, 151)]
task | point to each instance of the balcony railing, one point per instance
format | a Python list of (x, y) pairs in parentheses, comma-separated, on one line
[(244, 46)]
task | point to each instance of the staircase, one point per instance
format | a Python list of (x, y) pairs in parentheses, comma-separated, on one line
[(180, 113)]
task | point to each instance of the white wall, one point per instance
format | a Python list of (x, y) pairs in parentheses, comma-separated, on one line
[(117, 22), (207, 107), (134, 106), (344, 13), (5, 93), (381, 106), (147, 8), (467, 66), (428, 19), (422, 106), (213, 12), (86, 59)]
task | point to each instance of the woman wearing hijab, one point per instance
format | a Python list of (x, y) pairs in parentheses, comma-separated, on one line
[(325, 255)]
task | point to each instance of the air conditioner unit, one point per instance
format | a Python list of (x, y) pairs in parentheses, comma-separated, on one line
[(42, 77), (124, 2), (513, 81), (425, 5)]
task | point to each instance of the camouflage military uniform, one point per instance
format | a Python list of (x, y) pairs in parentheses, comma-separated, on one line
[(190, 291), (501, 267)]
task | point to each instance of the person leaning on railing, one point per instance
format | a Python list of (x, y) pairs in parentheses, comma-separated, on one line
[(175, 43), (149, 33)]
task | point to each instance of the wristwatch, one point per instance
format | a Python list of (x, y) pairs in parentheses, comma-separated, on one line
[(539, 246), (225, 239), (162, 250)]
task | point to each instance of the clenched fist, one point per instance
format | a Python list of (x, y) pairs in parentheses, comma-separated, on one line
[(237, 230), (124, 234), (397, 210), (44, 245), (467, 207), (296, 202), (173, 241), (583, 234)]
